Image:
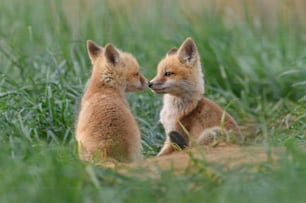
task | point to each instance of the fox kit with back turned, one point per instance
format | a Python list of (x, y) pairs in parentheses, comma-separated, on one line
[(180, 78), (105, 125)]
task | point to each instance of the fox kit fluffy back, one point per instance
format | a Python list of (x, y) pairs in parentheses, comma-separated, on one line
[(180, 78), (106, 126)]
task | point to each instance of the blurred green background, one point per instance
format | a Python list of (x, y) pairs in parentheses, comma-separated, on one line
[(254, 60)]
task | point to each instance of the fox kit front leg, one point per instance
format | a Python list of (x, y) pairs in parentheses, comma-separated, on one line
[(167, 148)]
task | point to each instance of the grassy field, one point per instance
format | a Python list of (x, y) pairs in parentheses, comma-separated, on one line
[(254, 60)]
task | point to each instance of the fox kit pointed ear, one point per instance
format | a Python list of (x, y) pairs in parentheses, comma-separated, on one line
[(172, 51), (94, 50), (188, 51), (111, 54)]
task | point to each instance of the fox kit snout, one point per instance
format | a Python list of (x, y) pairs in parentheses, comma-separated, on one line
[(185, 111), (105, 126)]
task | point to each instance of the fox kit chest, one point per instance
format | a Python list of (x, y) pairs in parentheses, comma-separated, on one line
[(168, 119), (169, 114)]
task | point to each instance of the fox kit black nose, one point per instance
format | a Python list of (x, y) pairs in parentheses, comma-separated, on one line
[(150, 84)]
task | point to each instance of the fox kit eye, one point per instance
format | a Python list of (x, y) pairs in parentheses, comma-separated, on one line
[(136, 74), (167, 74)]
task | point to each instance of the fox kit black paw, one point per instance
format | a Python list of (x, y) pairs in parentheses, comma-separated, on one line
[(178, 140)]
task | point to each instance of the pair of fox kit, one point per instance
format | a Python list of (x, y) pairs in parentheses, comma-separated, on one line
[(106, 127)]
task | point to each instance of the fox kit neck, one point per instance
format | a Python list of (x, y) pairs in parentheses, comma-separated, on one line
[(103, 83), (175, 108), (183, 105)]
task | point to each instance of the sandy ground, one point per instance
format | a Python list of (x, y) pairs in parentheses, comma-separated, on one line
[(226, 156)]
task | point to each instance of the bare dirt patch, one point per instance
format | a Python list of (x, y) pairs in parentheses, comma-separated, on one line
[(227, 156)]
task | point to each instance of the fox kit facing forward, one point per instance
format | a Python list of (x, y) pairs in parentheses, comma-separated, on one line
[(185, 111), (106, 126)]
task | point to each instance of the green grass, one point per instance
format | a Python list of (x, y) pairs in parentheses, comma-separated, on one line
[(254, 69)]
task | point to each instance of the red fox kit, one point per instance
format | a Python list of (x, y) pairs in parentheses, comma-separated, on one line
[(106, 126), (180, 78)]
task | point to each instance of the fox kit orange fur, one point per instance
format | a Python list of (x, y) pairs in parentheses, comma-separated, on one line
[(106, 126), (180, 78)]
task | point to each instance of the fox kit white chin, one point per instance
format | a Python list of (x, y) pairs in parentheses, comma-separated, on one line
[(180, 78), (106, 127)]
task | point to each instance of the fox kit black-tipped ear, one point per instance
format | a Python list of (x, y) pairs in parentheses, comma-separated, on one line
[(94, 50), (172, 51), (111, 54), (188, 51)]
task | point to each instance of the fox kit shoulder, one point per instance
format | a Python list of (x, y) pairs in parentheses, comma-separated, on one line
[(179, 77), (105, 125)]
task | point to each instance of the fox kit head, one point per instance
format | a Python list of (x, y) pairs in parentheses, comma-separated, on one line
[(114, 68), (179, 73)]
